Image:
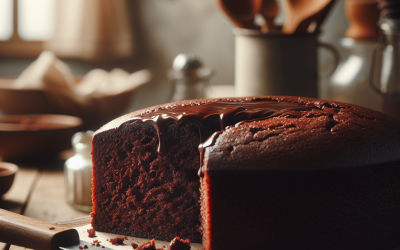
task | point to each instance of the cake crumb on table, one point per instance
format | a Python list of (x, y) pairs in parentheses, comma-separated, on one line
[(151, 245), (134, 245), (52, 228), (179, 244), (91, 233), (118, 240)]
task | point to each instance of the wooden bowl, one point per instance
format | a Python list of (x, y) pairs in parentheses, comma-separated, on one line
[(25, 138), (7, 174), (97, 112)]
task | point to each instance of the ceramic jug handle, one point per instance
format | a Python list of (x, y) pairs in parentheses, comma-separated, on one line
[(335, 54), (373, 72)]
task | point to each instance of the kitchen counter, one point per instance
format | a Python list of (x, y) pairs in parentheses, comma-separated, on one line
[(38, 192)]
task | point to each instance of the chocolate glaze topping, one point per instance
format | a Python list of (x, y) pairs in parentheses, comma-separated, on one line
[(227, 113)]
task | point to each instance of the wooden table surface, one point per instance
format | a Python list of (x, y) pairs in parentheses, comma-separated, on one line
[(38, 192)]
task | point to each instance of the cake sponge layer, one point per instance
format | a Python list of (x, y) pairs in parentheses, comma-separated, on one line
[(138, 192)]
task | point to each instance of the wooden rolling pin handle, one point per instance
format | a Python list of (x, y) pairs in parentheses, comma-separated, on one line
[(23, 231)]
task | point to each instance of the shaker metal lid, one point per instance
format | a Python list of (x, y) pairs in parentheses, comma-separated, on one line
[(186, 61)]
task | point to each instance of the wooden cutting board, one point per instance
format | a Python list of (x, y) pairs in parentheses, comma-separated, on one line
[(83, 224)]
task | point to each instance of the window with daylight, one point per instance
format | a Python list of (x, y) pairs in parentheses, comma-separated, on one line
[(24, 25)]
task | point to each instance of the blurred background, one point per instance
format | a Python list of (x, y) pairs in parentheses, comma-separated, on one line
[(157, 31), (99, 59)]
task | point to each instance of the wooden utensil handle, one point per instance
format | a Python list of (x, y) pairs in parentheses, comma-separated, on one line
[(23, 231)]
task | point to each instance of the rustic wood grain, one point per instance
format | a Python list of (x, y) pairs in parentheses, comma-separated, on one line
[(47, 201), (19, 248), (15, 199), (77, 222), (3, 246)]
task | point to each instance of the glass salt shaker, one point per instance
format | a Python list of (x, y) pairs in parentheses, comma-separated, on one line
[(188, 78), (78, 173)]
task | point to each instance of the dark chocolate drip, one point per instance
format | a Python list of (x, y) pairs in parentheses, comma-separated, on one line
[(202, 147), (228, 113)]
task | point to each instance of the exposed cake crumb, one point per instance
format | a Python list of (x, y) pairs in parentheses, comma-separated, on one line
[(91, 233), (179, 244), (85, 247), (151, 245), (118, 240), (134, 245), (52, 228)]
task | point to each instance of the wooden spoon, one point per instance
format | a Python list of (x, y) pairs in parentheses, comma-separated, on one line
[(269, 10), (241, 12), (300, 14), (363, 17)]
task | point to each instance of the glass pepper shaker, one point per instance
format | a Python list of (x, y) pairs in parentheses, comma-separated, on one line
[(78, 173), (188, 78)]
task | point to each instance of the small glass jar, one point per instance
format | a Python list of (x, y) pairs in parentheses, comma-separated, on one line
[(78, 173), (350, 82)]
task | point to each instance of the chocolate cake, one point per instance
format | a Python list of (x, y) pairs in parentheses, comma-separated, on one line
[(272, 172)]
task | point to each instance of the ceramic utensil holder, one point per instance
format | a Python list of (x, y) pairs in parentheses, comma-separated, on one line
[(277, 64)]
